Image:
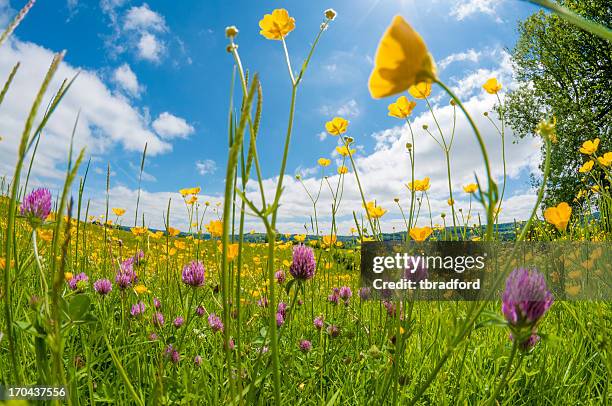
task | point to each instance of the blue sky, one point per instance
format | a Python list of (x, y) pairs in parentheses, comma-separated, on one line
[(158, 71)]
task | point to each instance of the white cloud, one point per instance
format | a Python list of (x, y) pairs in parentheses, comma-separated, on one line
[(469, 55), (5, 13), (150, 47), (125, 77), (144, 19), (106, 121), (205, 167), (322, 135), (349, 108), (467, 8), (169, 126)]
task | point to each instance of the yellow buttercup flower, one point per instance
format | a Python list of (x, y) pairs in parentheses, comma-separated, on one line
[(420, 233), (2, 263), (345, 151), (140, 289), (590, 147), (277, 25), (68, 276), (470, 188), (329, 240), (419, 185), (492, 86), (402, 60), (606, 159), (450, 202), (342, 170), (337, 126), (402, 107), (118, 212), (173, 232), (375, 211), (232, 252), (587, 166), (191, 200), (324, 162), (45, 235), (421, 90), (558, 216), (138, 231), (215, 228), (300, 237)]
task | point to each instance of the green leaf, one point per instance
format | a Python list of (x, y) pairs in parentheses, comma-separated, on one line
[(78, 307)]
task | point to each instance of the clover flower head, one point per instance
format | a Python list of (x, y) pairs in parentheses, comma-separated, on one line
[(304, 264), (103, 286), (36, 206), (526, 298), (194, 274)]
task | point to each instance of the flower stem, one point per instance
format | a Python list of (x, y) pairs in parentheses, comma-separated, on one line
[(502, 382)]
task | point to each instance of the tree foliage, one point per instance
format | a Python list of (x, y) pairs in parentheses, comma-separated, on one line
[(564, 72)]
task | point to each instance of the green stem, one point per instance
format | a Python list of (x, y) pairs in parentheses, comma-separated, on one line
[(502, 382)]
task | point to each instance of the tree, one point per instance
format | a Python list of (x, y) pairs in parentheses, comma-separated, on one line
[(563, 72)]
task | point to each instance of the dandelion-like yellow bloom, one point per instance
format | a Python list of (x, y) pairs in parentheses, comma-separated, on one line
[(606, 159), (375, 211), (215, 228), (300, 237), (419, 185), (420, 233), (492, 86), (344, 150), (402, 60), (402, 107), (470, 188), (138, 231), (118, 212), (587, 166), (421, 90), (277, 25), (559, 216), (342, 170), (337, 126), (324, 162), (590, 147)]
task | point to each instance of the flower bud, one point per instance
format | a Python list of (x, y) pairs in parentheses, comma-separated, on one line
[(330, 14), (231, 31)]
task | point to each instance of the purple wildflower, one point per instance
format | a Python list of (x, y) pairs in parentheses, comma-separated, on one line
[(153, 337), (333, 298), (282, 308), (194, 274), (36, 206), (333, 331), (103, 286), (280, 319), (200, 310), (345, 294), (280, 276), (304, 264), (172, 354), (364, 293), (138, 309), (197, 360), (305, 346), (215, 323), (158, 319), (78, 282), (318, 322), (262, 302), (125, 275), (526, 298), (178, 322), (156, 303)]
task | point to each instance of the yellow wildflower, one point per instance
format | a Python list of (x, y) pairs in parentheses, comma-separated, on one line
[(402, 60), (344, 150), (215, 228), (342, 170), (606, 159), (337, 126), (402, 107), (420, 233), (558, 216), (140, 289), (118, 212), (300, 237), (590, 147), (324, 162), (277, 25), (492, 86), (173, 232), (421, 90), (329, 240), (587, 166), (470, 188), (375, 211), (419, 185)]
